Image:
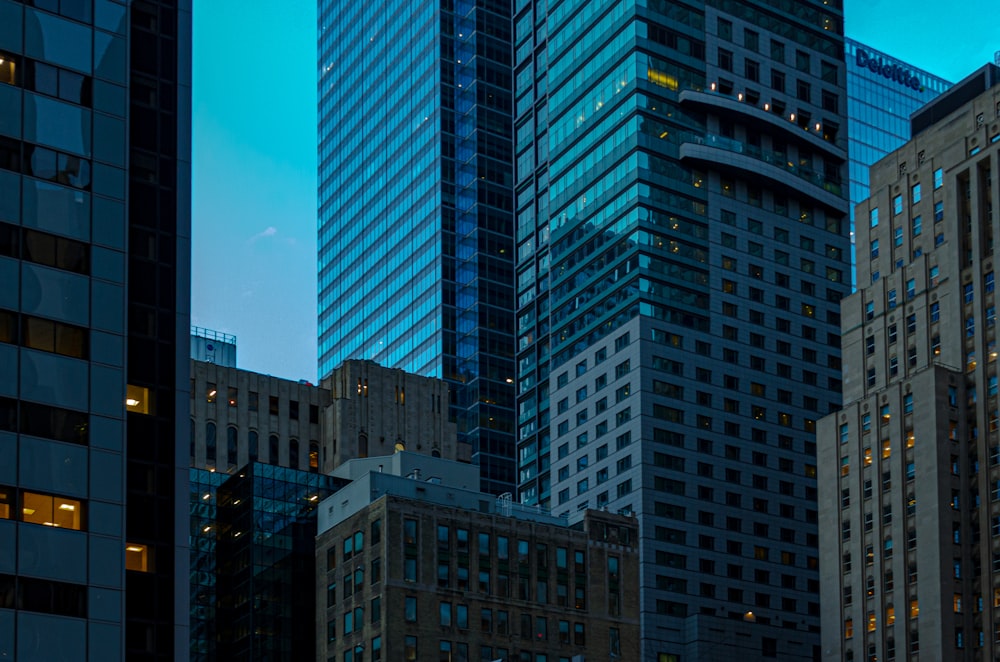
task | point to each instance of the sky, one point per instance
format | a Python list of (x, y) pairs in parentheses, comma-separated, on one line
[(254, 156)]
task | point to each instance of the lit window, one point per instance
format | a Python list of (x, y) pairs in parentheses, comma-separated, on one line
[(8, 70), (137, 400), (50, 510), (210, 392), (136, 557)]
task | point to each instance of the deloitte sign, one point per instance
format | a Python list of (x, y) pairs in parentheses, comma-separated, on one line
[(893, 72)]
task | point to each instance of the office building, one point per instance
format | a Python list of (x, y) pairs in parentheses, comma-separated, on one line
[(909, 484), (682, 241), (413, 562), (94, 316), (882, 92), (276, 440), (415, 252)]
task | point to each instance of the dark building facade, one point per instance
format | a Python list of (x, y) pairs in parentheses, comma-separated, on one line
[(682, 241), (415, 198), (94, 316), (255, 549)]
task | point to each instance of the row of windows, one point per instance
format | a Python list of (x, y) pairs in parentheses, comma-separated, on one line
[(43, 248), (46, 79), (232, 447), (43, 163), (44, 335), (45, 421), (253, 399), (45, 509), (42, 595)]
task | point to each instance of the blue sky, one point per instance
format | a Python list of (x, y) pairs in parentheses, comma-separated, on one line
[(254, 192)]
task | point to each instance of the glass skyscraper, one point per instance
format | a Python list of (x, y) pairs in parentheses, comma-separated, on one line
[(882, 91), (94, 317), (682, 242), (415, 198)]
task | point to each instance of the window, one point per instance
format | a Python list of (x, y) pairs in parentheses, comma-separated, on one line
[(50, 510), (136, 556), (938, 211), (915, 193), (874, 248), (916, 226), (873, 217), (410, 609), (897, 205), (938, 178)]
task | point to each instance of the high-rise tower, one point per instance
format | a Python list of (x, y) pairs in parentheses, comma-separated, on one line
[(909, 480), (682, 241), (415, 195), (94, 317), (882, 92)]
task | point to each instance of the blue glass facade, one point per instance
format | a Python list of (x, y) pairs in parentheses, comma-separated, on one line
[(415, 250), (682, 241), (94, 291), (879, 103), (253, 562)]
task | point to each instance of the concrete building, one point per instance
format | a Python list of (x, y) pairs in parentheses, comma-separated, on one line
[(94, 316), (682, 240), (377, 411), (360, 409), (413, 562), (910, 467)]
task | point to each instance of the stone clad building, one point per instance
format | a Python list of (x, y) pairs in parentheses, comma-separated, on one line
[(361, 409), (413, 562), (909, 469)]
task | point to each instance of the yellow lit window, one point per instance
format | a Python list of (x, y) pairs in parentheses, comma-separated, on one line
[(890, 615), (136, 557), (871, 621), (886, 449), (909, 439), (848, 628), (49, 510), (845, 466), (868, 456), (211, 392), (996, 597), (6, 502), (914, 609), (137, 400), (8, 70)]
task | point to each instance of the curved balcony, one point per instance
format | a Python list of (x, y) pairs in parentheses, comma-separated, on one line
[(761, 118), (755, 163)]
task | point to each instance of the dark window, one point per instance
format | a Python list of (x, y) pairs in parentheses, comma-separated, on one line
[(272, 449), (725, 60), (210, 443), (231, 446)]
